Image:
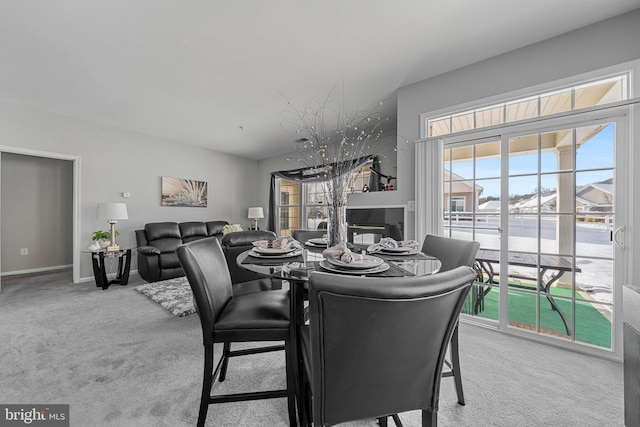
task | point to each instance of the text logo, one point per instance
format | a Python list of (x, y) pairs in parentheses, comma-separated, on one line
[(34, 415)]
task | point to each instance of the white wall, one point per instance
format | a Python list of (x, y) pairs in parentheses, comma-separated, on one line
[(115, 161)]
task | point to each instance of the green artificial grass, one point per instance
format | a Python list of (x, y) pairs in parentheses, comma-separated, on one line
[(590, 326)]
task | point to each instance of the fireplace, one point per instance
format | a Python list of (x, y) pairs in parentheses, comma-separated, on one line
[(369, 225)]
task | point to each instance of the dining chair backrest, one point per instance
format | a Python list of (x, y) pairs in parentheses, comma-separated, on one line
[(304, 235), (206, 269), (378, 345), (451, 252)]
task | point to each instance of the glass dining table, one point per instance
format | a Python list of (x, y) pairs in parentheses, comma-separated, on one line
[(296, 267)]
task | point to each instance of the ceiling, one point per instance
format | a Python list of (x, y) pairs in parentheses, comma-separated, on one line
[(219, 73)]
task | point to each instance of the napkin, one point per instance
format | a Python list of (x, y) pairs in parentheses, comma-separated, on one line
[(341, 253), (389, 243), (279, 243)]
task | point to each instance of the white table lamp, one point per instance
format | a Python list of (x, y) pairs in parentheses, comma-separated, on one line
[(255, 214), (112, 212)]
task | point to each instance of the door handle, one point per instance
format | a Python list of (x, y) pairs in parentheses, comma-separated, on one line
[(616, 234)]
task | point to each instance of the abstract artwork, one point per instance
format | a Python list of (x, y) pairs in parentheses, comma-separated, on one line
[(184, 192)]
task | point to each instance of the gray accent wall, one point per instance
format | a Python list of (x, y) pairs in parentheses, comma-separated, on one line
[(114, 161), (36, 212)]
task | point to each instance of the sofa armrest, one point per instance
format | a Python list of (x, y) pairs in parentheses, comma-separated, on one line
[(148, 250)]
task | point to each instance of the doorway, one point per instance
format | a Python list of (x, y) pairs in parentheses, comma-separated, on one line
[(544, 205), (74, 191)]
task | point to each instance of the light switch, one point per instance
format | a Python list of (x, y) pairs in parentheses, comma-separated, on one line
[(411, 205), (126, 195)]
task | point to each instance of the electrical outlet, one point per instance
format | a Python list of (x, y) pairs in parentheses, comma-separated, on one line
[(24, 251)]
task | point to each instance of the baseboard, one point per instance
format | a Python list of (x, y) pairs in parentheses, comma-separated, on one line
[(36, 270), (109, 276)]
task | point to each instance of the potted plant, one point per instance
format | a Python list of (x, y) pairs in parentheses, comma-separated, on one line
[(103, 238)]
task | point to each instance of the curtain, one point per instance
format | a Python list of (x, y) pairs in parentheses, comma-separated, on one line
[(309, 174), (429, 187), (374, 176)]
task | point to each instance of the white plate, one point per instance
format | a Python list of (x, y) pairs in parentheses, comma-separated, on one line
[(273, 251), (367, 262), (401, 249), (272, 256), (411, 252), (315, 245), (318, 241), (379, 269)]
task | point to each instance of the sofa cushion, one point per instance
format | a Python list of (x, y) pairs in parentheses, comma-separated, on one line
[(192, 231), (169, 260), (166, 245), (245, 238), (160, 230), (214, 228)]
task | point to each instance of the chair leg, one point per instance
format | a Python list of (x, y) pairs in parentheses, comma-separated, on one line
[(225, 361), (306, 400), (429, 418), (455, 366), (382, 421), (291, 382), (396, 420), (207, 381)]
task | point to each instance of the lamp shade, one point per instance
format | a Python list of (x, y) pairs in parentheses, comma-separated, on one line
[(255, 213), (112, 211)]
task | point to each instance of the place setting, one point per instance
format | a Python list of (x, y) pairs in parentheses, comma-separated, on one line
[(275, 251), (318, 242), (396, 250), (340, 259)]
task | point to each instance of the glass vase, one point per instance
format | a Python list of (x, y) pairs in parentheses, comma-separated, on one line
[(337, 224)]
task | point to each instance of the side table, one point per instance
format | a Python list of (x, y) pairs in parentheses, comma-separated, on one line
[(98, 259)]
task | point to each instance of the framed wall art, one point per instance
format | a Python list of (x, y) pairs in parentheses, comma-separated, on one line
[(184, 192)]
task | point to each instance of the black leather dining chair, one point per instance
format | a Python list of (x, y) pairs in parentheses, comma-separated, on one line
[(452, 253), (376, 347), (303, 235), (224, 317), (245, 282)]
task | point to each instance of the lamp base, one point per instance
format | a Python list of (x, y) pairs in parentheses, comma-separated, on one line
[(112, 246)]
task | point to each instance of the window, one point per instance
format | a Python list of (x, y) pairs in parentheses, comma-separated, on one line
[(304, 206), (457, 204), (288, 206), (586, 95)]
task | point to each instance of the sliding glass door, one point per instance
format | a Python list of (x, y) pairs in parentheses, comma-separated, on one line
[(546, 204)]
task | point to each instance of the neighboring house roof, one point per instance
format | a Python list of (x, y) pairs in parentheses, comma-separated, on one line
[(531, 204), (607, 188), (491, 205), (458, 180), (593, 195)]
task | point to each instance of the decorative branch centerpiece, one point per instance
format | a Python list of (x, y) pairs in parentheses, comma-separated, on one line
[(332, 142)]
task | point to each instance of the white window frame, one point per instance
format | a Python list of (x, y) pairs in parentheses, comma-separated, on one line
[(430, 153)]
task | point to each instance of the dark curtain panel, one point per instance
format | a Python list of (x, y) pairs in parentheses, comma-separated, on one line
[(374, 176), (308, 174)]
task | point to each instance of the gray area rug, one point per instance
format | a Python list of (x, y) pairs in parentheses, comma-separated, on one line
[(173, 294)]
